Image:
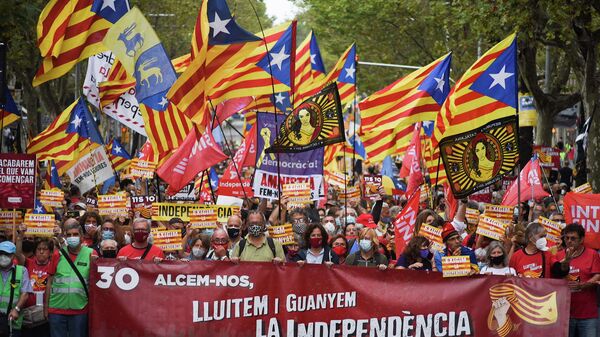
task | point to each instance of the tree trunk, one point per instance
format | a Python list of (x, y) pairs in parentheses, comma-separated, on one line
[(545, 123)]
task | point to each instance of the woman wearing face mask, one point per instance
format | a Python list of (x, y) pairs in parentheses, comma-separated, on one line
[(316, 250), (39, 265), (368, 254), (534, 260), (497, 261), (90, 222), (339, 245), (416, 255), (200, 246)]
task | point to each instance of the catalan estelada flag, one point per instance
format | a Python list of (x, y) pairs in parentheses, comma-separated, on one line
[(344, 73), (310, 70), (69, 31), (477, 126), (166, 129), (9, 112), (66, 136), (119, 157), (218, 43), (414, 98), (117, 83), (52, 176), (263, 73)]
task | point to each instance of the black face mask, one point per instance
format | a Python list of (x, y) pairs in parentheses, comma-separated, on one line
[(109, 254), (496, 260), (233, 232), (28, 246)]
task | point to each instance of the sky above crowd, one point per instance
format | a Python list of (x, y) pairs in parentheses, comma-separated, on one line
[(281, 10)]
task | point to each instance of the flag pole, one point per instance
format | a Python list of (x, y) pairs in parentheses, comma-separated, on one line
[(549, 187), (518, 136), (237, 171), (292, 78), (354, 103)]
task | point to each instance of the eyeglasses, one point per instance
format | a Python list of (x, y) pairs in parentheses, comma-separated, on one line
[(300, 220)]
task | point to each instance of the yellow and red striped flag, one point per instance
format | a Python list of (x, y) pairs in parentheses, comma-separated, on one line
[(119, 157), (414, 98), (344, 73), (181, 63), (117, 83), (70, 31), (166, 129), (485, 92), (310, 70)]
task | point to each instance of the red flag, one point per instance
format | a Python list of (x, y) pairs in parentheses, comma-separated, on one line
[(244, 157), (531, 185), (584, 209), (405, 222), (195, 154), (411, 164), (230, 107), (452, 202)]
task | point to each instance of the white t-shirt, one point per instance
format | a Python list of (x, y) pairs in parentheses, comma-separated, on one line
[(498, 271), (315, 259)]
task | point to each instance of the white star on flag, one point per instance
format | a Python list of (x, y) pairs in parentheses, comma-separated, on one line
[(164, 101), (500, 78), (313, 58), (279, 98), (440, 83), (278, 58), (38, 209), (117, 149), (350, 71), (76, 121), (427, 124), (108, 3), (219, 25)]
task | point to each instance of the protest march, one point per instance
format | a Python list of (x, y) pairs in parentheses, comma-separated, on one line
[(201, 168)]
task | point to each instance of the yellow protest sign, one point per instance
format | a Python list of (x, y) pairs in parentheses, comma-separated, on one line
[(455, 266), (165, 211), (39, 224)]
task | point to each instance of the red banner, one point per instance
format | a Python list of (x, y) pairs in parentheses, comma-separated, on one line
[(17, 180), (201, 298), (584, 209)]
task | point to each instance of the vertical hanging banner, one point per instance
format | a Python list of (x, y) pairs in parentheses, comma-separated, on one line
[(264, 300), (17, 180), (294, 167), (92, 169)]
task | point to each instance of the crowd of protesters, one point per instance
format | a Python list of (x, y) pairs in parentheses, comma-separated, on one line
[(53, 273)]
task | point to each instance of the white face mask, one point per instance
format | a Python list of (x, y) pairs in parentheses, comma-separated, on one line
[(541, 244), (127, 238), (198, 252), (329, 227), (365, 245), (5, 261)]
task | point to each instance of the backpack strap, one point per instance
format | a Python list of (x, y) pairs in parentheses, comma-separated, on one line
[(146, 251), (13, 285), (79, 276), (242, 245), (271, 244)]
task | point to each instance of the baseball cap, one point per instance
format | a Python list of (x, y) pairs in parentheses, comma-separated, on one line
[(366, 220), (8, 247)]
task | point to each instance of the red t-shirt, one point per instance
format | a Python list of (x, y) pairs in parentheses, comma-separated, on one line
[(38, 275), (530, 265), (582, 268), (136, 253), (66, 311)]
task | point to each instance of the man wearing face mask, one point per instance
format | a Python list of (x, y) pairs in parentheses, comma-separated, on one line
[(19, 277), (219, 246), (452, 240), (299, 221), (329, 225), (67, 291), (108, 248), (534, 260), (234, 229), (140, 248), (257, 247)]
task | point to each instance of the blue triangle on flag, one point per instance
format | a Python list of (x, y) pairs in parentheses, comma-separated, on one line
[(437, 82), (316, 62), (348, 73), (278, 59), (223, 28), (82, 122), (111, 10), (499, 80)]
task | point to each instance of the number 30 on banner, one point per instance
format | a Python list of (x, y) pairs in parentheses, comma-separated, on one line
[(106, 278)]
